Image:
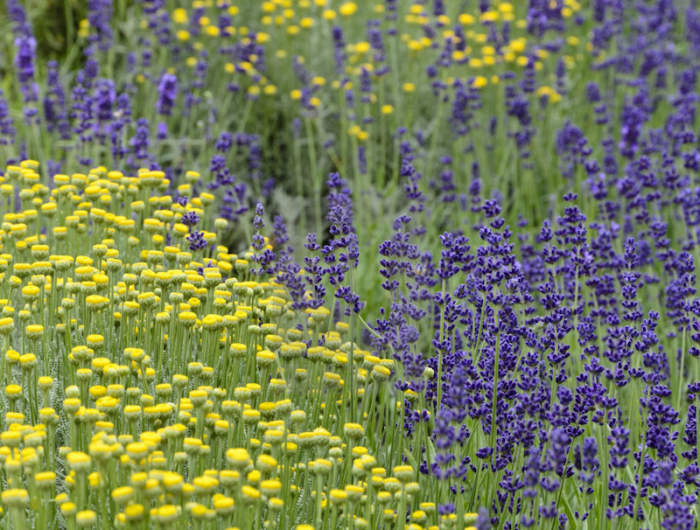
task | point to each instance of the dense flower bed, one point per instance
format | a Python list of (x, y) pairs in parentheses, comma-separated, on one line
[(163, 360), (319, 264)]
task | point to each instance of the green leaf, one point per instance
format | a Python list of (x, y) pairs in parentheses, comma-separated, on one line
[(430, 448), (409, 457)]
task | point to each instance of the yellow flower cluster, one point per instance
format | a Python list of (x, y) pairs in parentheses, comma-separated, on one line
[(149, 385)]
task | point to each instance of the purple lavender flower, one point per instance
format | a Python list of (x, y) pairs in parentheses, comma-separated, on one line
[(167, 94), (7, 129), (100, 15), (263, 257), (140, 142), (20, 24), (339, 48), (25, 58), (190, 218), (197, 241)]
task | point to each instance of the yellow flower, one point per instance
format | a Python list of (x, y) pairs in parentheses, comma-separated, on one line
[(362, 47), (13, 391), (180, 16), (86, 518), (348, 8), (490, 16), (479, 82), (15, 497), (250, 494)]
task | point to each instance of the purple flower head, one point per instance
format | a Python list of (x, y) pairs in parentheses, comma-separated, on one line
[(162, 130), (258, 222), (7, 128), (339, 48), (16, 12), (54, 103), (190, 218), (25, 58), (224, 142), (167, 94), (105, 97), (100, 16), (140, 141), (197, 241)]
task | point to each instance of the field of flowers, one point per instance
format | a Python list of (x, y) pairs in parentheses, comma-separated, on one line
[(367, 264)]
